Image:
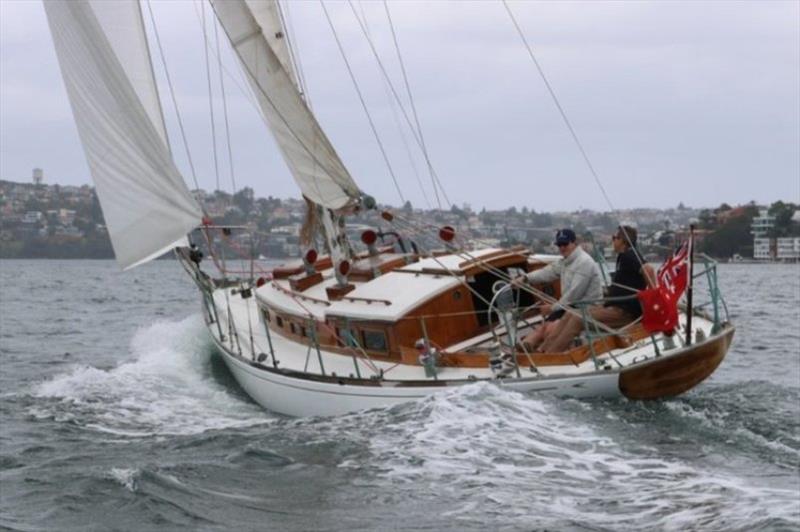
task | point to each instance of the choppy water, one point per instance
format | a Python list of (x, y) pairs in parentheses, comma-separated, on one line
[(117, 415)]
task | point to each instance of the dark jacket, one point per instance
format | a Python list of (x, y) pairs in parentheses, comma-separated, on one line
[(626, 281)]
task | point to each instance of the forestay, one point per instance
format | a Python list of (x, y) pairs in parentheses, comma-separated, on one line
[(316, 167), (105, 63)]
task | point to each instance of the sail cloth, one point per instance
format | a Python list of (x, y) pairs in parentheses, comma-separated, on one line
[(267, 15), (316, 167), (121, 21), (147, 207)]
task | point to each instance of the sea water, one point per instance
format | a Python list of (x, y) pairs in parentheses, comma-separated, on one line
[(118, 414)]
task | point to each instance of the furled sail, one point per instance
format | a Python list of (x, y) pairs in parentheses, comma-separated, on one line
[(147, 207), (316, 167)]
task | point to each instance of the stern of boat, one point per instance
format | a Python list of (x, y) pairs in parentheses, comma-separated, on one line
[(674, 374)]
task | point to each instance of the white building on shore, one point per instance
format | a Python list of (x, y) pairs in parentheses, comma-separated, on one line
[(762, 249), (788, 248)]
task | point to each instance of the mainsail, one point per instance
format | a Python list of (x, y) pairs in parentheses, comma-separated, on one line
[(316, 167), (102, 49)]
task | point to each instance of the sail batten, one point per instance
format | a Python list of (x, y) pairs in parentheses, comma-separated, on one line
[(255, 32), (105, 63)]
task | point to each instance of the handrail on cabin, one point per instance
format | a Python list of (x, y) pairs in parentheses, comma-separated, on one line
[(299, 295), (368, 300)]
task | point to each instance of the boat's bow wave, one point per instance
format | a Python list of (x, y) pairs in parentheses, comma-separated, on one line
[(170, 387)]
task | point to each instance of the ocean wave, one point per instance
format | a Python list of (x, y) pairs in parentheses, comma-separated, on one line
[(126, 477), (168, 387), (519, 461)]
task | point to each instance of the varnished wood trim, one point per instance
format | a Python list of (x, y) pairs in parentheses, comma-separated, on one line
[(297, 267), (302, 281), (336, 292), (489, 257), (672, 375)]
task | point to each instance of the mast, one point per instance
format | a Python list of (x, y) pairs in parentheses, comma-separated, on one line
[(689, 289)]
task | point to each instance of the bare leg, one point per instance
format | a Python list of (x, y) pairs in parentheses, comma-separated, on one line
[(538, 335), (563, 333)]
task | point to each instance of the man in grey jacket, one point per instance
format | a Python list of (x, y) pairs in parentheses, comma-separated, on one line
[(580, 280)]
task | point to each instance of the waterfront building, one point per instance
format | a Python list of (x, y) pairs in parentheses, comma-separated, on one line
[(760, 228), (762, 223), (788, 248), (38, 176), (761, 248)]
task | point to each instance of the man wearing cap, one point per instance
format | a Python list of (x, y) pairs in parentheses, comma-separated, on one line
[(621, 306), (580, 280)]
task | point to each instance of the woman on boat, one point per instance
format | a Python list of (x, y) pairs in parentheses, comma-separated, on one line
[(621, 306)]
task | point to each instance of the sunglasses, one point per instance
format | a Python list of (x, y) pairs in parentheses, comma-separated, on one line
[(562, 245)]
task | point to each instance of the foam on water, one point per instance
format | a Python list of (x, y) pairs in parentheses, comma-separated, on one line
[(126, 477), (723, 457), (517, 457), (166, 389)]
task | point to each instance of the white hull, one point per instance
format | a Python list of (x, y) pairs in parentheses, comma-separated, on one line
[(294, 396), (292, 378)]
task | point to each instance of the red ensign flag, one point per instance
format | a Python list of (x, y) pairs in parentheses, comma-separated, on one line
[(660, 304)]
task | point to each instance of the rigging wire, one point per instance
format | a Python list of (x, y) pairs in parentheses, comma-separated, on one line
[(172, 96), (224, 108), (423, 146), (210, 94), (363, 102), (420, 143), (558, 106), (294, 51), (396, 118), (245, 90), (274, 107), (566, 121)]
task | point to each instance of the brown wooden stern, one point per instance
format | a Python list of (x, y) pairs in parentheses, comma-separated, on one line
[(672, 375)]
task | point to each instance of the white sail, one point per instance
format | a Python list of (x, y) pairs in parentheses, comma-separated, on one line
[(316, 167), (267, 15), (121, 21), (146, 205)]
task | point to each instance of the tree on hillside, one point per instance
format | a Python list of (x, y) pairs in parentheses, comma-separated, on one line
[(244, 200), (707, 219), (731, 237), (784, 226)]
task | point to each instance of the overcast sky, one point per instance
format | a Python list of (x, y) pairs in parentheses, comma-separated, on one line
[(674, 101)]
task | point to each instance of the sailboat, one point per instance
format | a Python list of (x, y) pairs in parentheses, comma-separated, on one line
[(340, 330)]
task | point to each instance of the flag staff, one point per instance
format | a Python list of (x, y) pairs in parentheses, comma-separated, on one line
[(689, 287)]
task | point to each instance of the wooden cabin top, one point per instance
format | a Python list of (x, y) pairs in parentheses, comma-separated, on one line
[(390, 295)]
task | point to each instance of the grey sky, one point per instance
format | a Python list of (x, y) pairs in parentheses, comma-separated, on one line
[(674, 101)]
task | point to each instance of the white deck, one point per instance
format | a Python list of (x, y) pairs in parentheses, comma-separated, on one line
[(403, 290), (295, 356)]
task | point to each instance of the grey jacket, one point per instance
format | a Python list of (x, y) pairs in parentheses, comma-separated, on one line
[(580, 277)]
